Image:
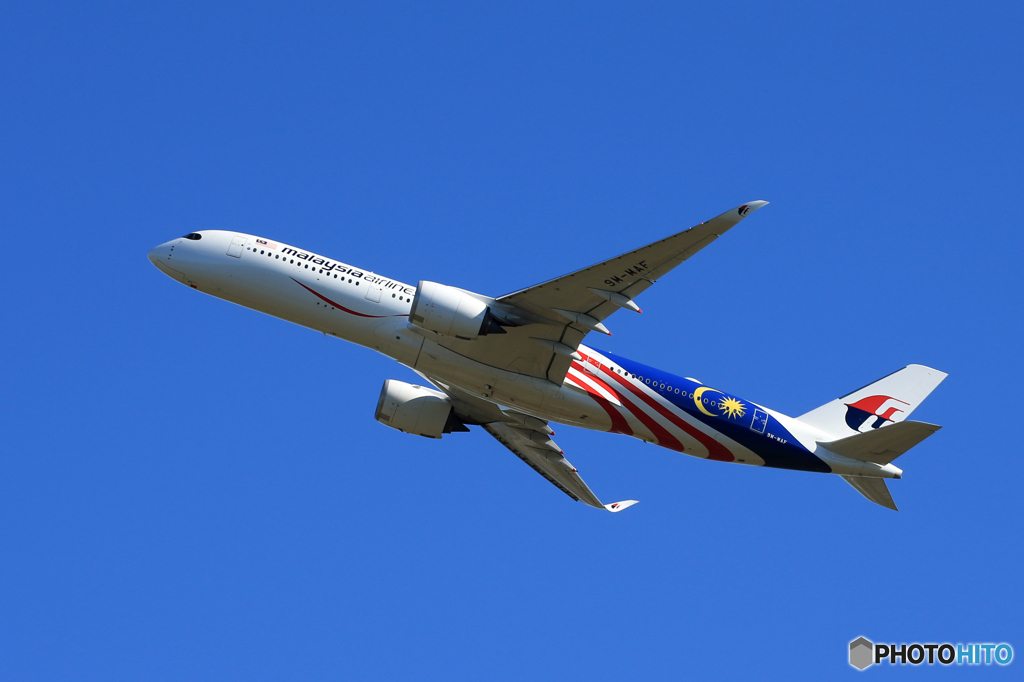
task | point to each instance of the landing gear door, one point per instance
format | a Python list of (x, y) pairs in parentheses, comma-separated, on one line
[(237, 244)]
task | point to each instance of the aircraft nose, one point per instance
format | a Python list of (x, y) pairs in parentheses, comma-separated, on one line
[(162, 256), (158, 252)]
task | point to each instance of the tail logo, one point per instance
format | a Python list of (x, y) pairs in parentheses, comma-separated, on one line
[(872, 412)]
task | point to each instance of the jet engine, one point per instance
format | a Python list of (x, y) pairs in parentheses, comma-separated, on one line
[(416, 410), (451, 312)]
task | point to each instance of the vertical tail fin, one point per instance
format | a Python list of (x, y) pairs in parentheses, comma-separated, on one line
[(890, 399)]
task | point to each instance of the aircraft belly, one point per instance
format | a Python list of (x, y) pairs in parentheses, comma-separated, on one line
[(394, 338), (536, 397), (568, 405)]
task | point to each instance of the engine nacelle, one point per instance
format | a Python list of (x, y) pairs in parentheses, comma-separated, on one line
[(416, 410), (452, 312)]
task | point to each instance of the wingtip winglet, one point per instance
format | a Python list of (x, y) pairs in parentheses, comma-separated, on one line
[(619, 506), (749, 207)]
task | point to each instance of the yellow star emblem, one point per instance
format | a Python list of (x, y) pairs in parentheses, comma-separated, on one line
[(732, 408)]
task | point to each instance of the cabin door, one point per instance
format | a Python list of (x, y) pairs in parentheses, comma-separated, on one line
[(237, 244)]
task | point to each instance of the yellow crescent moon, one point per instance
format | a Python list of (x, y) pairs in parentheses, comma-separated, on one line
[(696, 398)]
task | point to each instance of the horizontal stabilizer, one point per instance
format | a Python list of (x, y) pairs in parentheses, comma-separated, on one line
[(872, 488), (883, 445)]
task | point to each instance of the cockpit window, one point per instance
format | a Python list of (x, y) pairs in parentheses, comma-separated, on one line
[(195, 236)]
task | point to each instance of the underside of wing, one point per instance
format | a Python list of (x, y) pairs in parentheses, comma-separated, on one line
[(529, 439), (544, 324), (543, 456), (601, 289), (469, 408)]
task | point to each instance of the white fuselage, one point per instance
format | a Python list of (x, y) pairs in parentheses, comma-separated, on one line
[(359, 306)]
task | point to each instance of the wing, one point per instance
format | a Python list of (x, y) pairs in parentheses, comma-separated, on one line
[(600, 290), (529, 439), (552, 318), (543, 456)]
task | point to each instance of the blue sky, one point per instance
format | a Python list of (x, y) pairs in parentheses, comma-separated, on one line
[(193, 490)]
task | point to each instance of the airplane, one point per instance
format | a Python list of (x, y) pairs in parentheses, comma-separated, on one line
[(517, 363)]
